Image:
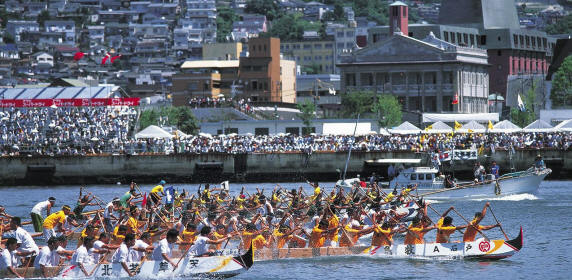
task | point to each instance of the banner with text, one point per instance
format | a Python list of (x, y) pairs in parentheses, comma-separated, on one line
[(79, 102)]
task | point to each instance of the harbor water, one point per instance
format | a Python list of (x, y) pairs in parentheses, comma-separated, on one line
[(545, 218)]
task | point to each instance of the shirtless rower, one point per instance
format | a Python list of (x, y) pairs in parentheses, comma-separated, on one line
[(474, 227)]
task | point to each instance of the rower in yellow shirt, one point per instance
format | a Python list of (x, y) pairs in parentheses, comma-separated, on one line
[(55, 220), (132, 222), (251, 235), (382, 235), (445, 228), (157, 192), (415, 232), (352, 232), (474, 227), (188, 236), (319, 234)]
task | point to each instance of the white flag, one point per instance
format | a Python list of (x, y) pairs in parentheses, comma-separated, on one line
[(224, 185), (521, 104)]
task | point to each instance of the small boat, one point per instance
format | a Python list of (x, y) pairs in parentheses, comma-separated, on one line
[(527, 181), (203, 267), (478, 249)]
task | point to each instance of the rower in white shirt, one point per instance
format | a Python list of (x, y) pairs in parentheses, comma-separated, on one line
[(28, 247), (141, 247), (163, 252), (46, 256), (122, 254), (81, 257), (200, 246), (7, 259)]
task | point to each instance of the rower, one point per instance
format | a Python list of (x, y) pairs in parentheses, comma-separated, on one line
[(88, 231), (122, 254), (27, 245), (163, 252), (187, 237), (36, 213), (319, 234), (473, 227), (445, 227), (111, 207), (7, 259), (101, 246), (251, 235), (141, 247), (352, 232), (81, 257), (416, 231), (119, 234), (132, 222), (47, 257), (382, 235), (156, 193), (199, 248), (55, 220)]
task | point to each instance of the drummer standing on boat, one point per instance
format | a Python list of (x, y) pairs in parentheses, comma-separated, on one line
[(495, 169), (36, 213)]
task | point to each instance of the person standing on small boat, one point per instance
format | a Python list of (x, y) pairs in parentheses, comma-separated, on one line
[(7, 259), (36, 213), (539, 163), (122, 254), (495, 169)]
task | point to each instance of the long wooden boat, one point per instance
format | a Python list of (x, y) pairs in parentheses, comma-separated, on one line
[(203, 267), (478, 249)]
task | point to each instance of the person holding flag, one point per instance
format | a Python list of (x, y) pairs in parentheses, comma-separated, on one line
[(458, 125)]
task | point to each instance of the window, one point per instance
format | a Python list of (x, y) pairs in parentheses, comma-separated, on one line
[(350, 79), (230, 130), (340, 45), (318, 46), (413, 176), (307, 46), (349, 34), (483, 39), (261, 131), (395, 11), (293, 130), (404, 12), (328, 46), (340, 34), (499, 53), (452, 37), (446, 36), (515, 39), (466, 38), (472, 39)]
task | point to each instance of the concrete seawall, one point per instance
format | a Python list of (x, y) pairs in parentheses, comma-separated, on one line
[(252, 167)]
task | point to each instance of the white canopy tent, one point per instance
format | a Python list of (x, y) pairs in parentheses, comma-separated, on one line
[(564, 126), (538, 126), (153, 131), (449, 118), (439, 127), (363, 128), (405, 128), (473, 126), (384, 132), (505, 127)]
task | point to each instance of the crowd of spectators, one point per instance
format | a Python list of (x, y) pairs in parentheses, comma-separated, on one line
[(207, 102), (108, 130), (64, 130)]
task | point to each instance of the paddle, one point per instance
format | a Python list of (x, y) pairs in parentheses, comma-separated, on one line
[(475, 227), (505, 236)]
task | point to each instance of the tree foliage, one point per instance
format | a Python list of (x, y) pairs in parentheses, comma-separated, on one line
[(357, 102), (521, 118), (308, 112), (42, 17), (180, 117), (563, 26), (269, 8), (388, 110), (224, 21), (561, 92), (291, 26)]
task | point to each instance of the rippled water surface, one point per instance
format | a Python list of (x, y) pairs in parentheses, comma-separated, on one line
[(545, 218)]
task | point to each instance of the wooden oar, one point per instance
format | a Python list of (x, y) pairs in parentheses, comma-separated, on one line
[(505, 236), (101, 259)]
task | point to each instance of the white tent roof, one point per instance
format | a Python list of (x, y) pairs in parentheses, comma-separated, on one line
[(439, 127), (383, 131), (538, 126), (405, 128), (564, 126), (472, 125), (481, 117), (153, 131), (505, 126)]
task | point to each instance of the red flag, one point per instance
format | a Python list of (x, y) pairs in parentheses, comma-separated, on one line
[(105, 58), (114, 58), (455, 99), (144, 202), (78, 55)]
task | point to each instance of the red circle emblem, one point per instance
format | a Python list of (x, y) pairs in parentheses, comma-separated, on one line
[(484, 246)]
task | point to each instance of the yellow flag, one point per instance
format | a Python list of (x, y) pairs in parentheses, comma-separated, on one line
[(481, 149), (458, 126), (470, 130), (490, 125), (429, 127)]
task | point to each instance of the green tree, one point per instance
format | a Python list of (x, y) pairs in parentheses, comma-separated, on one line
[(269, 8), (563, 26), (521, 118), (291, 26), (224, 21), (308, 112), (561, 92), (181, 117), (358, 102), (387, 110)]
